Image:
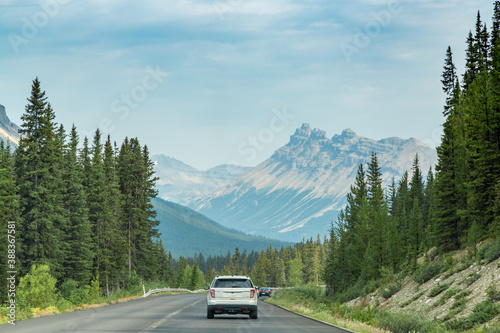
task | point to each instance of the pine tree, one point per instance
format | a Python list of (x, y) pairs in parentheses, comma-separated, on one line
[(449, 78), (113, 256), (378, 219), (137, 187), (96, 195), (37, 165), (9, 211), (78, 264), (481, 153), (234, 265)]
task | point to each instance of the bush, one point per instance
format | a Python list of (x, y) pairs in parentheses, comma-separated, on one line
[(473, 277), (404, 323), (63, 305), (490, 251), (68, 289), (439, 289), (460, 299), (492, 292), (483, 312), (413, 299), (446, 296), (428, 271), (391, 290), (37, 289), (133, 282)]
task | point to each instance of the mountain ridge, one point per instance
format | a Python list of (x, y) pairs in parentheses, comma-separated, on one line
[(181, 183), (304, 183)]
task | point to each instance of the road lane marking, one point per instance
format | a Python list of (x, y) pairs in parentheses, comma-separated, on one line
[(164, 319)]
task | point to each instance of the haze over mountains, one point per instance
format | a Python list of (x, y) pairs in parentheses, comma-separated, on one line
[(183, 184), (300, 189)]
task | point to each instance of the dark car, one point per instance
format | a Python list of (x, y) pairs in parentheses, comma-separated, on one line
[(264, 291)]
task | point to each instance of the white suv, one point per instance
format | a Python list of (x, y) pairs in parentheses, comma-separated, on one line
[(232, 294)]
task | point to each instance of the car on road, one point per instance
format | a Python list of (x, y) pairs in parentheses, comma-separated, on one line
[(232, 294), (265, 291)]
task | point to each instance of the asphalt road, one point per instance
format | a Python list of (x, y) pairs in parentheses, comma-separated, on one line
[(168, 313)]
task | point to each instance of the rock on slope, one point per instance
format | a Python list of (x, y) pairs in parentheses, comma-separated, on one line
[(464, 285)]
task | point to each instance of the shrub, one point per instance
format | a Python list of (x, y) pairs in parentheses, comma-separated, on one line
[(483, 312), (68, 289), (439, 289), (473, 277), (391, 290), (452, 314), (490, 251), (428, 271), (133, 282), (449, 262), (37, 288), (446, 296), (460, 299), (413, 299), (492, 292), (63, 305)]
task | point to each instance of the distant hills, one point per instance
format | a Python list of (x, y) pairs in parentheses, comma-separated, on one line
[(9, 132), (187, 232), (181, 183), (300, 189)]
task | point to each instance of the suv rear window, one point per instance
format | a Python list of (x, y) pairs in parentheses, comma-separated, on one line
[(232, 283)]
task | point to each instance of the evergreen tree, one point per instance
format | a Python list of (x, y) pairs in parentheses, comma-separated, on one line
[(449, 79), (378, 220), (96, 196), (234, 265), (37, 165), (9, 211), (471, 64), (136, 178), (79, 261), (113, 258)]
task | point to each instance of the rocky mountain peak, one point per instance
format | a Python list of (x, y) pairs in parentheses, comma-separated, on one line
[(305, 133)]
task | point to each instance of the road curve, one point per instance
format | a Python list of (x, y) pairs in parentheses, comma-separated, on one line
[(168, 313)]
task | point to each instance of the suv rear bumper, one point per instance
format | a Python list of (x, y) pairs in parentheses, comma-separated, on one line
[(232, 308)]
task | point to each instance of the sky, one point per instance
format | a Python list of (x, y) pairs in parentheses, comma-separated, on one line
[(211, 82)]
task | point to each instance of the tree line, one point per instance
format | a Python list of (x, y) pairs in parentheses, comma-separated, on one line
[(85, 212), (286, 267), (384, 231)]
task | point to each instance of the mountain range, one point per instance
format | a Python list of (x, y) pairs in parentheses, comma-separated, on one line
[(182, 183), (294, 194), (300, 189)]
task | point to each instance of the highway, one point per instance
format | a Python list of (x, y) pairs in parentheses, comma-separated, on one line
[(168, 313)]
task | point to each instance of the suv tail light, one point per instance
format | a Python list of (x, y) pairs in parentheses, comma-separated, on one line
[(212, 293), (252, 293)]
